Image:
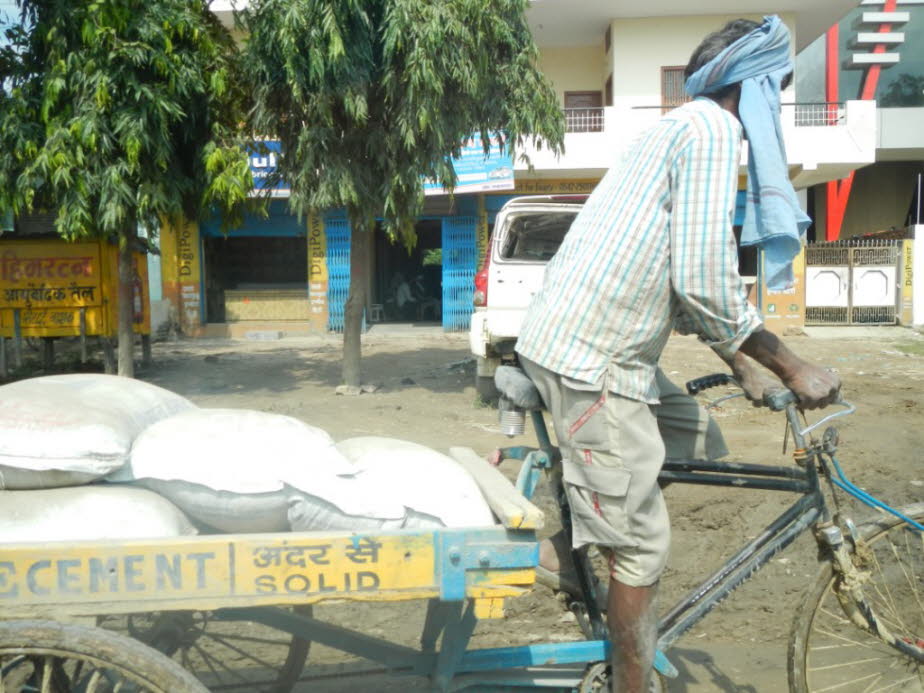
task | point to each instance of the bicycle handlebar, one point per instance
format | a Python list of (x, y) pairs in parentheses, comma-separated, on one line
[(778, 400), (694, 387)]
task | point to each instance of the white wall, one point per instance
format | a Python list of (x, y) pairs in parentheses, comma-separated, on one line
[(641, 47)]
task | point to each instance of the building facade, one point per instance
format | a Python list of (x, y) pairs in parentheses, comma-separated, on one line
[(615, 74)]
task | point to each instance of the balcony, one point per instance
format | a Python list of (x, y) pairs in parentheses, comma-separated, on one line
[(824, 141)]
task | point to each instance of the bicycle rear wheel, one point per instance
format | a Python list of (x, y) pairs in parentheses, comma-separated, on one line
[(828, 652)]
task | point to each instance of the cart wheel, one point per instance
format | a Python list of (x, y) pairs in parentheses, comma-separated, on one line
[(49, 656), (597, 680), (223, 654)]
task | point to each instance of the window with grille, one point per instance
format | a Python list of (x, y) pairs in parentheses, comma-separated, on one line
[(672, 92)]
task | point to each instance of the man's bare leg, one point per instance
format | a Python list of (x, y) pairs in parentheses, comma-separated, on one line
[(633, 624)]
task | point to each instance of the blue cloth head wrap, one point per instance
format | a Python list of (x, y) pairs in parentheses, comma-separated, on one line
[(772, 216)]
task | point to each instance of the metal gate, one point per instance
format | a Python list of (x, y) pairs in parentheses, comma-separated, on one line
[(460, 257), (338, 270), (853, 282)]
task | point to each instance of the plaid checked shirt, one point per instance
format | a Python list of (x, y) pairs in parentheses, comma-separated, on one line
[(652, 250)]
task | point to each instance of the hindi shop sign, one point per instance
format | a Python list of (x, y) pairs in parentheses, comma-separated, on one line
[(46, 286), (477, 172), (263, 165)]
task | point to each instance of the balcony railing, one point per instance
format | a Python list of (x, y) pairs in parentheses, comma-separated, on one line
[(822, 114), (815, 115), (583, 119)]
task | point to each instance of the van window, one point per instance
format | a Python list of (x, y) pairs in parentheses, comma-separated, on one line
[(535, 236)]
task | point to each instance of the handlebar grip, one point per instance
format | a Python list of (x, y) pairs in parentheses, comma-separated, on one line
[(780, 399), (699, 384)]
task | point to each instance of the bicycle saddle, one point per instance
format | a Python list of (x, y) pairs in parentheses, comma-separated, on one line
[(515, 386)]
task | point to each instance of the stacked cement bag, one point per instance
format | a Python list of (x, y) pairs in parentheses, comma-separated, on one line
[(236, 470), (88, 513), (67, 430), (434, 490)]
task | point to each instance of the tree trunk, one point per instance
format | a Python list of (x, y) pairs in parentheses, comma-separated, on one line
[(126, 303), (355, 303)]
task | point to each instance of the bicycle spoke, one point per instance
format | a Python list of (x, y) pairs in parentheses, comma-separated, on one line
[(208, 658), (893, 685), (886, 586), (250, 638), (851, 642), (46, 674), (847, 664), (853, 682), (222, 641), (92, 683)]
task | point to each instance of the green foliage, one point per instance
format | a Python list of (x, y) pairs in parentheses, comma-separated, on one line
[(433, 256), (119, 112), (367, 96)]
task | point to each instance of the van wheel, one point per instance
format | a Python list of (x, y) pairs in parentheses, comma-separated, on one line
[(486, 389)]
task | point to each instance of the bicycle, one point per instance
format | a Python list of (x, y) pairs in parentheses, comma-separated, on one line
[(861, 625)]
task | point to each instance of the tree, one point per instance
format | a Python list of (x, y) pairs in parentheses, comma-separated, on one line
[(116, 113), (368, 96)]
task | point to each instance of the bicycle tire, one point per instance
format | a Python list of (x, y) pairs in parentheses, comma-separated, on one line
[(70, 657), (827, 651)]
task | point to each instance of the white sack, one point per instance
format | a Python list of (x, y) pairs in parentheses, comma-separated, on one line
[(88, 513), (238, 470), (425, 481), (79, 426)]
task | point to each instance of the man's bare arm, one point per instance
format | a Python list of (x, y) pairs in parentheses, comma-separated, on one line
[(815, 387)]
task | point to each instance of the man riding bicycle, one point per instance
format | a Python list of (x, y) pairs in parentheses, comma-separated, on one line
[(653, 251)]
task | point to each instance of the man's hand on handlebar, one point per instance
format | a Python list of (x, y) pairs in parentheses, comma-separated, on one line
[(815, 387), (755, 382)]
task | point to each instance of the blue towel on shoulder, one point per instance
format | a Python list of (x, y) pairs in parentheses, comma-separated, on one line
[(773, 218)]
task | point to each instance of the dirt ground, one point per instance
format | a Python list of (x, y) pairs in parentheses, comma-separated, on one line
[(425, 394)]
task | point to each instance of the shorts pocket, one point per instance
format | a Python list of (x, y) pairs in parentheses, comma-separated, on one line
[(597, 498), (610, 481), (585, 416)]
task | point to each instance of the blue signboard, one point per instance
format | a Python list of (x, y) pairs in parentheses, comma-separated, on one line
[(476, 172), (262, 165)]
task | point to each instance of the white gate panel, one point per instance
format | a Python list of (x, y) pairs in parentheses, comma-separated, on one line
[(874, 286), (827, 286)]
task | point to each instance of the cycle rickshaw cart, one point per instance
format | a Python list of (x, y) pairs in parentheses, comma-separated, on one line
[(159, 598)]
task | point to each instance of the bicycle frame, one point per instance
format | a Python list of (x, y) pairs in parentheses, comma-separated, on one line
[(808, 510)]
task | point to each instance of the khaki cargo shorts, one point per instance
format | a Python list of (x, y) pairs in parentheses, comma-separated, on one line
[(612, 451)]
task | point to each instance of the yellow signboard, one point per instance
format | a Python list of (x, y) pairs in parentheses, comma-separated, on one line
[(49, 284), (905, 311), (317, 272), (783, 311)]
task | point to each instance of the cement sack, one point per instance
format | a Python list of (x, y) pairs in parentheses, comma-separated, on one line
[(428, 483), (237, 470), (88, 513), (66, 430)]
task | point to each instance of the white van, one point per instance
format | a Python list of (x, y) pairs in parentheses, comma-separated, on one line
[(527, 233)]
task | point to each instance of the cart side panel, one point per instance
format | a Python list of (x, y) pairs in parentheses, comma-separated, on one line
[(261, 570)]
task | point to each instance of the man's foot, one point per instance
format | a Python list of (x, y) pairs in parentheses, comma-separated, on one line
[(557, 572)]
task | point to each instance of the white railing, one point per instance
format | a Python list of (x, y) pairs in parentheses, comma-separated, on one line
[(814, 115), (583, 119)]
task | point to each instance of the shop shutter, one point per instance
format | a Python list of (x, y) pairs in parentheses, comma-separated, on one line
[(460, 257), (338, 269)]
